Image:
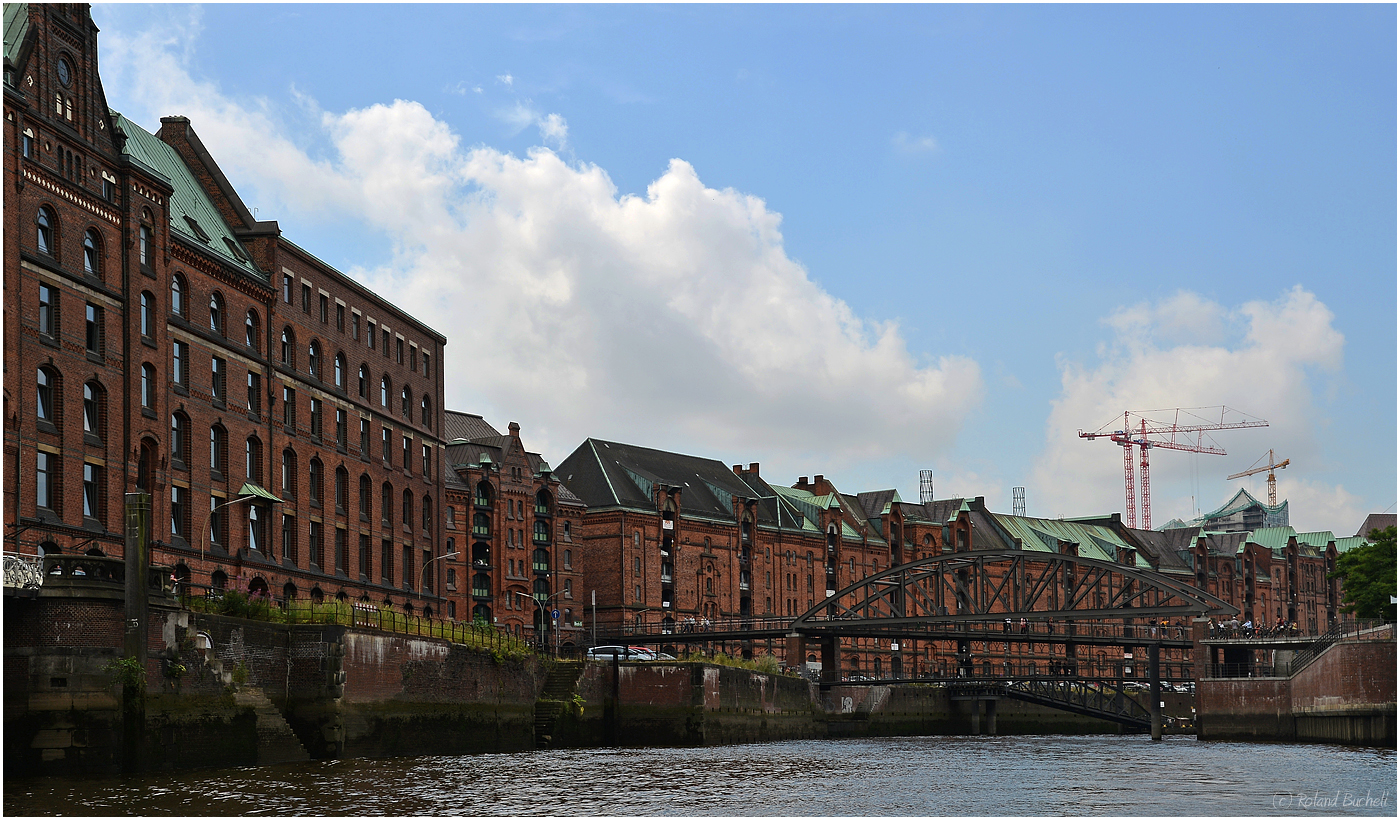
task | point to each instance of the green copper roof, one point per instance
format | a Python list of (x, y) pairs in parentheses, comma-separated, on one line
[(16, 27), (192, 215), (1044, 535), (1275, 538), (1350, 542)]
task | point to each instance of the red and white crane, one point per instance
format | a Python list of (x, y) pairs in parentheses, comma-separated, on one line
[(1182, 428)]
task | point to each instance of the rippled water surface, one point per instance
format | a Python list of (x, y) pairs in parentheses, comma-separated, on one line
[(1097, 775)]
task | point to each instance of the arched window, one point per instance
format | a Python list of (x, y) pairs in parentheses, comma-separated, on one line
[(216, 313), (180, 438), (427, 413), (364, 381), (177, 295), (342, 490), (148, 386), (313, 363), (541, 532), (407, 408), (148, 308), (289, 473), (289, 348), (365, 499), (218, 449), (313, 482), (46, 225), (92, 254), (94, 410), (340, 370), (143, 246), (47, 396), (542, 502), (408, 509), (428, 515), (252, 329), (483, 494), (253, 460), (384, 391)]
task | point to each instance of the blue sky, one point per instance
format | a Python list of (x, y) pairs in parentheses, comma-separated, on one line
[(850, 240)]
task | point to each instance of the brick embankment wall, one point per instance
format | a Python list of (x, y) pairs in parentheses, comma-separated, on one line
[(1347, 695), (910, 710)]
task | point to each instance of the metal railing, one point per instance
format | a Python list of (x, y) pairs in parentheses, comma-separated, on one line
[(23, 571), (1343, 631), (1246, 670)]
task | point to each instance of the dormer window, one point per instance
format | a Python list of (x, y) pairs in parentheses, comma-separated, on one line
[(199, 232)]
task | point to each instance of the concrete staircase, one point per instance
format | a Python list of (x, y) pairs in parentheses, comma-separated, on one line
[(276, 742), (557, 694)]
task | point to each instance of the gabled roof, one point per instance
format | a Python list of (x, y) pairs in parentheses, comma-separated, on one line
[(192, 215), (456, 424), (1163, 547), (1045, 534), (877, 503), (16, 28), (611, 474), (1376, 521)]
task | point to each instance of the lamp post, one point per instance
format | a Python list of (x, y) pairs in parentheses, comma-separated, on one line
[(424, 573), (248, 492), (539, 604)]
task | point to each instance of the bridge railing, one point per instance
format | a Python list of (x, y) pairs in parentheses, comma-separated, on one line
[(988, 629), (23, 571), (1246, 670)]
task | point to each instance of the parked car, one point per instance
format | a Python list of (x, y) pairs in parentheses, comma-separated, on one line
[(626, 653)]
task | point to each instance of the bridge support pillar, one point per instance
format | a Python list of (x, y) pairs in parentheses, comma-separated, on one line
[(992, 716), (1154, 673), (831, 659), (796, 651)]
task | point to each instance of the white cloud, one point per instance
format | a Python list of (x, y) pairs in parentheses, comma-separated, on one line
[(1263, 358), (906, 144), (522, 114), (505, 79), (673, 319)]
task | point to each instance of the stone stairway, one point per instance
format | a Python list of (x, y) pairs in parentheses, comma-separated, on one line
[(557, 694), (276, 742)]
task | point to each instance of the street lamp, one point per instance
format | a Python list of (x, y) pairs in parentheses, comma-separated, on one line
[(539, 604), (248, 492), (424, 574)]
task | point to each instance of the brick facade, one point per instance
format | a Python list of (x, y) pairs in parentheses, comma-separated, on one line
[(153, 359)]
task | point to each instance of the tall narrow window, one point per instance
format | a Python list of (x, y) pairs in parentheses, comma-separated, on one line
[(289, 473), (143, 247), (254, 393), (355, 326), (148, 386), (286, 288), (179, 511), (218, 449), (427, 415), (325, 308), (180, 361), (364, 382), (315, 545), (340, 371), (253, 460), (94, 335), (288, 347), (313, 363), (384, 392), (45, 224), (44, 398), (406, 409), (216, 314), (364, 437), (340, 318), (148, 306), (289, 408), (365, 496), (313, 482), (371, 334), (342, 490), (386, 504), (180, 439), (177, 295), (92, 410), (251, 328), (92, 255), (305, 298), (341, 423), (45, 480), (316, 412), (218, 378), (255, 528), (48, 311), (92, 491)]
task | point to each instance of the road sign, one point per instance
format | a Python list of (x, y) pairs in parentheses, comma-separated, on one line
[(554, 613)]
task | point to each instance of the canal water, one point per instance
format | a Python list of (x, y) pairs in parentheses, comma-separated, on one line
[(1024, 775)]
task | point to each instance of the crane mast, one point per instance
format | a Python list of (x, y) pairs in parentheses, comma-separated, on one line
[(1187, 429), (1271, 466)]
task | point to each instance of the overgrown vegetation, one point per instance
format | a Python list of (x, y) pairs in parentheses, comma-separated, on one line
[(767, 664), (128, 673), (1368, 577), (479, 634)]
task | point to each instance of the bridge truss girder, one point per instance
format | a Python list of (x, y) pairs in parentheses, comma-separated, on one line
[(999, 584)]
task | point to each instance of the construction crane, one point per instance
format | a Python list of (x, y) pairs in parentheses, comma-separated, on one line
[(1271, 466), (1186, 430)]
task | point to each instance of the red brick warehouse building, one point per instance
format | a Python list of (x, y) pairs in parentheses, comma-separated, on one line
[(159, 338)]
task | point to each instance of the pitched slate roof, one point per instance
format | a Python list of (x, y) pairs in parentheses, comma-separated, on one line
[(1045, 534), (1164, 548), (193, 215), (1376, 521), (456, 424), (16, 27), (611, 474)]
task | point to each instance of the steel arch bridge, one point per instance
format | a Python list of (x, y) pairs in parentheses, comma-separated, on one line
[(945, 590)]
